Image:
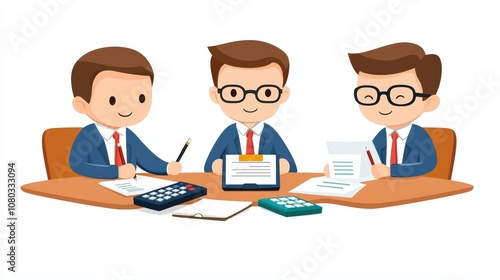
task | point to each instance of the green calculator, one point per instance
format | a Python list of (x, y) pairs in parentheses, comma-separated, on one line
[(289, 206)]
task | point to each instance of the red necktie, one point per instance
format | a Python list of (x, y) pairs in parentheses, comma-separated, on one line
[(250, 150), (119, 159), (394, 149)]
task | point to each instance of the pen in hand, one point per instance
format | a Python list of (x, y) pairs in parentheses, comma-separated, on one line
[(369, 155), (183, 149)]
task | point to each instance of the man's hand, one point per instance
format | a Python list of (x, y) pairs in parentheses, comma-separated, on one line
[(284, 166), (326, 170), (174, 168), (217, 166), (126, 171), (380, 170)]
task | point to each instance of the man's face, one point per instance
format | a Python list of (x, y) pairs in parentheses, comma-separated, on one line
[(119, 99), (250, 110), (389, 115)]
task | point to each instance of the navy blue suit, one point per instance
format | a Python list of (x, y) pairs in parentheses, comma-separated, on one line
[(229, 143), (419, 155), (88, 156)]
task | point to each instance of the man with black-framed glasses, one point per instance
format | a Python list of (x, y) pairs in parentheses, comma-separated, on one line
[(396, 84), (249, 86)]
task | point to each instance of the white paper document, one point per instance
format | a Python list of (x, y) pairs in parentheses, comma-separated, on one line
[(140, 185), (349, 166), (329, 187), (254, 169)]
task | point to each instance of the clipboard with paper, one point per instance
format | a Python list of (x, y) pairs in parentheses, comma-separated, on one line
[(250, 172)]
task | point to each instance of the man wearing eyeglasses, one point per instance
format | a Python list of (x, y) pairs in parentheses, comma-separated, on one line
[(396, 85), (249, 86)]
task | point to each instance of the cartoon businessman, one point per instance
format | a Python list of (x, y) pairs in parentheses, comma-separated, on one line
[(249, 86), (113, 87), (396, 84)]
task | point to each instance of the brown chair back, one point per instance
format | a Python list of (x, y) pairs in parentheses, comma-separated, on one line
[(56, 146), (445, 142)]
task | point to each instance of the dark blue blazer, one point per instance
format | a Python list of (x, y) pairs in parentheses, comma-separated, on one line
[(229, 143), (88, 156), (419, 155)]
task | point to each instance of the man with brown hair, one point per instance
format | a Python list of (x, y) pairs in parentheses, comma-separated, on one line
[(113, 87), (396, 85), (249, 86)]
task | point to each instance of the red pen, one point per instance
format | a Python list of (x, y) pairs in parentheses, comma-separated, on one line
[(369, 156)]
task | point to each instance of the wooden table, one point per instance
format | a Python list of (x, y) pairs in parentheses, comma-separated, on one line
[(378, 193)]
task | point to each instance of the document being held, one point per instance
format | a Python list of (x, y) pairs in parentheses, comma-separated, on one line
[(349, 165)]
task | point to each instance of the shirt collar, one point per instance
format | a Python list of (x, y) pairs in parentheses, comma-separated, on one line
[(402, 132), (107, 132), (257, 129)]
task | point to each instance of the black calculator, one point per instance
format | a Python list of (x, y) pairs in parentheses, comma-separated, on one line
[(168, 196)]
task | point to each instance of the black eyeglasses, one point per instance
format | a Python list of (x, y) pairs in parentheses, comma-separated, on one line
[(397, 95), (237, 93)]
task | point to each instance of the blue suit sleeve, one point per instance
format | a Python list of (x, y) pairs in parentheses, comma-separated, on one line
[(218, 150), (81, 156), (420, 160), (143, 157)]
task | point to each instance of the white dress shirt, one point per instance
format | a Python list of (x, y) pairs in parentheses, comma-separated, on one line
[(107, 136), (401, 143), (242, 134)]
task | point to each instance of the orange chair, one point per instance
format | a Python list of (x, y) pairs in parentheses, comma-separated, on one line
[(56, 146), (445, 142)]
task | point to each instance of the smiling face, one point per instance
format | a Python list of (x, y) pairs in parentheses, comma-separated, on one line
[(118, 99), (383, 112), (250, 111)]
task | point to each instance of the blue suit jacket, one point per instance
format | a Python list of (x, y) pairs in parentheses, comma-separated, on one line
[(229, 143), (88, 156), (419, 155)]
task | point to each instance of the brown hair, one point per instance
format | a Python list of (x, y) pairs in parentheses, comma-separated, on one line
[(118, 59), (398, 58), (247, 54)]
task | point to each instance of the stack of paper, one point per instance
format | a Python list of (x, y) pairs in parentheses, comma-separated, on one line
[(349, 165)]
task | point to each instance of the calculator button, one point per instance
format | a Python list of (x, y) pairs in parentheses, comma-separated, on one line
[(289, 206), (189, 185), (175, 190), (300, 201), (152, 198), (175, 194), (308, 204), (182, 188), (153, 193), (290, 202), (160, 195), (169, 188), (145, 196), (274, 199), (161, 191), (167, 197), (292, 198), (298, 205), (281, 203), (159, 199), (182, 192), (283, 198)]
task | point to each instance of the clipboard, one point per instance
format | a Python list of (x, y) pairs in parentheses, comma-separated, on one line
[(250, 172), (212, 209)]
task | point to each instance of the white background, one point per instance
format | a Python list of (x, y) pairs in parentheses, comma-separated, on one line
[(447, 239)]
